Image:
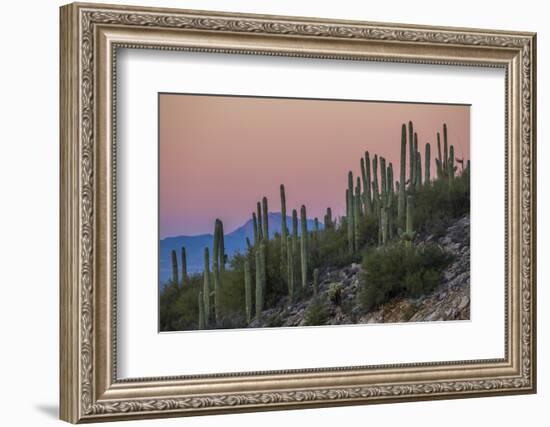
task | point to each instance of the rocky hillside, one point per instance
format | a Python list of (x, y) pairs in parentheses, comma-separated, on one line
[(449, 301)]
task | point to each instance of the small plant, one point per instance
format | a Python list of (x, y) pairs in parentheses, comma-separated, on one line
[(335, 293), (316, 313)]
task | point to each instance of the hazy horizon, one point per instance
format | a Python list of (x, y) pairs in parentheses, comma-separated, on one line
[(219, 155)]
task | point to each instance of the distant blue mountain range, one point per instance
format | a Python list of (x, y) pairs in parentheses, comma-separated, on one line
[(194, 245)]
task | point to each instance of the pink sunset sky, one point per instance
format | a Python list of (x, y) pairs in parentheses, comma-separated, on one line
[(219, 155)]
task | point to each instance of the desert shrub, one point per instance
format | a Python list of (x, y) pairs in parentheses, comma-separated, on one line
[(398, 270), (316, 313), (179, 305), (439, 203), (335, 293)]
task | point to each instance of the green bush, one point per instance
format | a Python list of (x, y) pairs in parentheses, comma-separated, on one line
[(316, 313), (439, 203), (398, 270)]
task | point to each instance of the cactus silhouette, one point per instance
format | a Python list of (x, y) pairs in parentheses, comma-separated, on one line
[(259, 286), (175, 279), (259, 217), (290, 268), (402, 172), (201, 311), (255, 225), (183, 266), (427, 162), (248, 291), (367, 185), (303, 245), (265, 219), (294, 230), (349, 214)]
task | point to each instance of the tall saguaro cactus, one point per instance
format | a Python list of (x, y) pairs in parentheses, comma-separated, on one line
[(367, 186), (284, 230), (265, 219), (201, 311), (451, 165), (259, 288), (175, 279), (290, 268), (439, 160), (248, 291), (356, 214), (206, 286), (303, 245), (328, 219), (402, 178), (183, 266), (412, 156), (418, 174), (221, 251), (216, 267), (263, 268), (255, 225), (294, 230), (427, 163), (259, 215), (350, 213), (375, 197)]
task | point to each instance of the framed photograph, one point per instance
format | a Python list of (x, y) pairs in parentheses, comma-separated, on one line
[(265, 212)]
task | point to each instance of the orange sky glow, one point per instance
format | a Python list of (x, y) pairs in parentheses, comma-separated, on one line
[(219, 155)]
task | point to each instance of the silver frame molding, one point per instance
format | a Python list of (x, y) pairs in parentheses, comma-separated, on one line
[(90, 37)]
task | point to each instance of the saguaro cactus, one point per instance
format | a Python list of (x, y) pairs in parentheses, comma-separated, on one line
[(303, 245), (290, 268), (248, 291), (294, 230), (439, 160), (375, 198), (265, 219), (175, 279), (259, 215), (418, 175), (427, 163), (183, 266), (367, 186), (412, 156), (216, 267), (284, 230), (384, 224), (259, 287), (263, 267), (201, 311), (350, 214), (383, 179), (402, 178), (221, 251), (445, 151), (206, 286), (328, 219), (451, 165), (356, 215), (255, 225)]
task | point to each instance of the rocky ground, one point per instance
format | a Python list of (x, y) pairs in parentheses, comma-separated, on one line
[(449, 301)]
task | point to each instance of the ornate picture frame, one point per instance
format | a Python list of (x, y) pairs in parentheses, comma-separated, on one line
[(90, 37)]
